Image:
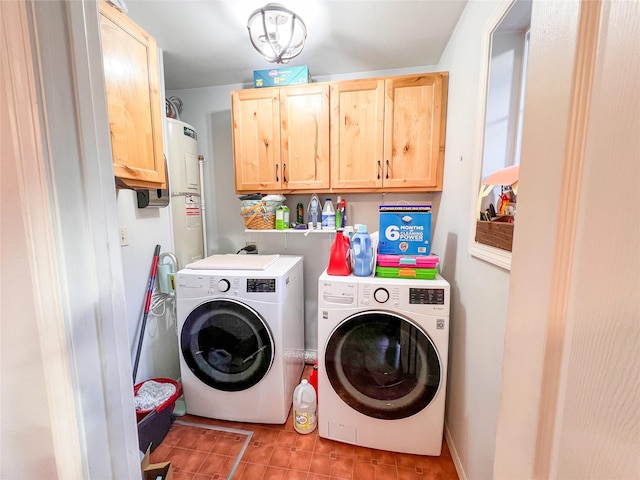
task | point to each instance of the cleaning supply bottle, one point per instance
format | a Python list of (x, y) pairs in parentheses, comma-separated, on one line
[(314, 213), (282, 217), (299, 213), (328, 215), (361, 250), (342, 207), (304, 408), (313, 377), (339, 260), (338, 212)]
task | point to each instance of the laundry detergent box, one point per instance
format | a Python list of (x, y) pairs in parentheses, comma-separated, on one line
[(405, 230), (276, 77)]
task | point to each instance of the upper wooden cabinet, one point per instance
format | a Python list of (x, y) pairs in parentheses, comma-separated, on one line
[(281, 138), (357, 134), (133, 100), (388, 134)]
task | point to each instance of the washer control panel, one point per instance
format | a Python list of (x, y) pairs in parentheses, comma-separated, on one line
[(420, 296), (426, 296)]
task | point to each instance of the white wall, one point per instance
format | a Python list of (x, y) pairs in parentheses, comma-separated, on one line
[(479, 289), (146, 228)]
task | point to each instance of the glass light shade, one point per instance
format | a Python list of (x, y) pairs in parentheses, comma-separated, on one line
[(277, 33)]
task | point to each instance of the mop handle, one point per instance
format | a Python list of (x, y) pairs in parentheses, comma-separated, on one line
[(147, 303), (152, 279)]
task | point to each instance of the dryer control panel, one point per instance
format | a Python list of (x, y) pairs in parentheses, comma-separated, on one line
[(261, 285), (199, 285)]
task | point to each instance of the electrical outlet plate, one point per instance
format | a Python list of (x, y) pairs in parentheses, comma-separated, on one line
[(124, 237), (252, 243)]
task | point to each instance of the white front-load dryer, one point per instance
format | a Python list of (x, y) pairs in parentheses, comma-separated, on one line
[(241, 335), (382, 356)]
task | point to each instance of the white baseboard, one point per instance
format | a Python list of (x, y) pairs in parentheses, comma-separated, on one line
[(454, 454)]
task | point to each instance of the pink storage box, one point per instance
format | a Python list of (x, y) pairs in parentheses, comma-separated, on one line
[(408, 261)]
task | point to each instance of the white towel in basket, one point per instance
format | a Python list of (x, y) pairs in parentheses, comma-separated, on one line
[(152, 394)]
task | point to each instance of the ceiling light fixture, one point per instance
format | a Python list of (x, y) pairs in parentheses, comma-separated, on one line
[(277, 33)]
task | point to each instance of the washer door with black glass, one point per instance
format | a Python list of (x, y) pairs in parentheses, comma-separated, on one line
[(227, 345), (382, 365)]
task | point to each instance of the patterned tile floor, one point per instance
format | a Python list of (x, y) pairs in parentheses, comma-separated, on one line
[(279, 452)]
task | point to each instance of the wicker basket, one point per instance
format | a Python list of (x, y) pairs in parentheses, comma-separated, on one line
[(496, 233), (259, 217)]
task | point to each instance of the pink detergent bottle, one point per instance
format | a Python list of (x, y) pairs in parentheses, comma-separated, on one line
[(339, 261)]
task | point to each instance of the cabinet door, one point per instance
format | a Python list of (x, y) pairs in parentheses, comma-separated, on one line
[(304, 121), (256, 139), (357, 116), (415, 118), (133, 99)]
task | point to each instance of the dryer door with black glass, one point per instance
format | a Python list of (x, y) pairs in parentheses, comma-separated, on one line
[(383, 365), (227, 345)]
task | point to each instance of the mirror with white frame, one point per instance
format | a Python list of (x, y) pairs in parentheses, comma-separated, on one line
[(506, 41)]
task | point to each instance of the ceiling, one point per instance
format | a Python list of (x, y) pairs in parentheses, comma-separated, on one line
[(206, 43)]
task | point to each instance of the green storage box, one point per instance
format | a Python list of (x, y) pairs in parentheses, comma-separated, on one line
[(419, 273)]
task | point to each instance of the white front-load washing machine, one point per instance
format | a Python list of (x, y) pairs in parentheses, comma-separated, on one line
[(382, 356), (241, 333)]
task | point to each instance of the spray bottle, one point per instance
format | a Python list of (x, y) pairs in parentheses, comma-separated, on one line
[(314, 212), (342, 208)]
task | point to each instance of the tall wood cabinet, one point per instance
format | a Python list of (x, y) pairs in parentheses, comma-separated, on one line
[(133, 100), (281, 138), (388, 134)]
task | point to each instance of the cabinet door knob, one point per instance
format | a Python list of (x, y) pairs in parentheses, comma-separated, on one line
[(388, 167), (277, 179), (284, 173), (379, 168)]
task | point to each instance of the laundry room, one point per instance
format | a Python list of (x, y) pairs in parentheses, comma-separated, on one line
[(224, 258), (235, 180)]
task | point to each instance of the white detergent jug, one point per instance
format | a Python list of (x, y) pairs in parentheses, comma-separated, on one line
[(304, 408)]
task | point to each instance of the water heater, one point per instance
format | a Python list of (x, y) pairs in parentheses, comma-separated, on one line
[(184, 184)]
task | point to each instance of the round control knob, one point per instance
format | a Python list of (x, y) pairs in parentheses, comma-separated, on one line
[(381, 295), (223, 285)]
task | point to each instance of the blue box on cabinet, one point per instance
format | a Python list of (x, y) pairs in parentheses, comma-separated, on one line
[(405, 230), (277, 77)]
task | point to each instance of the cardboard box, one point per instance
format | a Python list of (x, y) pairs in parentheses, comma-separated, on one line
[(155, 471), (277, 77), (405, 230)]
